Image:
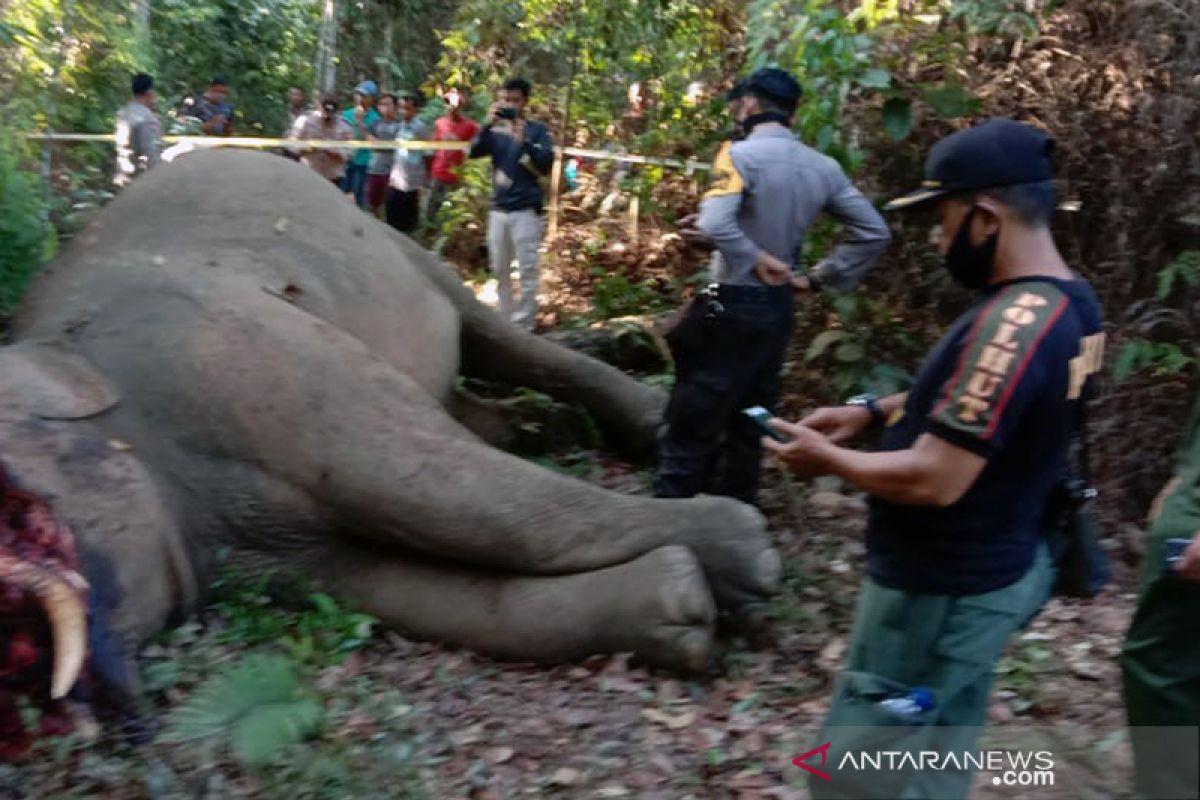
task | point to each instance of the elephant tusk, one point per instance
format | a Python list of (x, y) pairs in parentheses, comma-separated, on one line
[(61, 599)]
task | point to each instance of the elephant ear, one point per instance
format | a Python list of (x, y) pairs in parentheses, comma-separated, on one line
[(51, 381)]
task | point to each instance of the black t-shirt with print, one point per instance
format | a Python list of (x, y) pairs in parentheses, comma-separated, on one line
[(1004, 382)]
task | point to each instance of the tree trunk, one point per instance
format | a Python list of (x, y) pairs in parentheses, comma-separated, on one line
[(326, 71)]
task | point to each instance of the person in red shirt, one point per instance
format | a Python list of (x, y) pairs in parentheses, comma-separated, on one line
[(453, 126)]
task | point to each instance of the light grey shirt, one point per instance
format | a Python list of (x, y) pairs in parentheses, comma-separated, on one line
[(408, 169), (138, 140), (767, 191)]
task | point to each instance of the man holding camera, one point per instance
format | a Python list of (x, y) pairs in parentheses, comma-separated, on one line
[(522, 153), (957, 555), (767, 190)]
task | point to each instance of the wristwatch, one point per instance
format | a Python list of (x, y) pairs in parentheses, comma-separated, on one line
[(871, 403)]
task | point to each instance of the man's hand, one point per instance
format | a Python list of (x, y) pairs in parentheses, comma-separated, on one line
[(1189, 562), (805, 454), (518, 130), (690, 233), (839, 423), (771, 271), (360, 114)]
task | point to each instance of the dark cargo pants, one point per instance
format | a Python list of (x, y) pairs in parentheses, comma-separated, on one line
[(728, 352), (949, 645)]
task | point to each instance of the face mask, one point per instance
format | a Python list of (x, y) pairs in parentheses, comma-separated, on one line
[(970, 265), (751, 121)]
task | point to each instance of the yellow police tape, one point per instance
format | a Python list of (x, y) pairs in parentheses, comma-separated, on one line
[(689, 165)]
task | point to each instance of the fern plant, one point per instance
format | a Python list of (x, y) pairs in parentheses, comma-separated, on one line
[(257, 706)]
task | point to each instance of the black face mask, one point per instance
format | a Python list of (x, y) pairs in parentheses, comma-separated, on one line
[(970, 265), (767, 116)]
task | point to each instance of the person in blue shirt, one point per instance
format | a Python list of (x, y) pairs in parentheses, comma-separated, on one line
[(957, 552), (522, 154), (362, 117)]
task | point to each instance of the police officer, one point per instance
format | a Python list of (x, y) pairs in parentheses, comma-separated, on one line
[(1161, 657), (729, 347), (956, 554)]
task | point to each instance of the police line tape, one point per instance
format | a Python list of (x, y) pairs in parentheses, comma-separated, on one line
[(254, 142)]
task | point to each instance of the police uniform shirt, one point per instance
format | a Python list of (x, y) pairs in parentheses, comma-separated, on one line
[(1005, 383), (767, 190)]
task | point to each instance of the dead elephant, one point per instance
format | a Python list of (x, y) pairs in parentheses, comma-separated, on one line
[(232, 357)]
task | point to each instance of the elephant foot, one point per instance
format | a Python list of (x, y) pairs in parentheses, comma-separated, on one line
[(662, 610), (657, 606), (731, 541)]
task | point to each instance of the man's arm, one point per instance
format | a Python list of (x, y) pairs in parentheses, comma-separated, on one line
[(541, 150), (144, 143), (867, 236), (932, 472), (719, 210)]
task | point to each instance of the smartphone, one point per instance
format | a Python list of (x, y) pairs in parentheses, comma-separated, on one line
[(506, 112), (760, 416), (1172, 551)]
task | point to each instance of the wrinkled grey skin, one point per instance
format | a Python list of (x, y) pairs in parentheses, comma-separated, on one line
[(233, 357)]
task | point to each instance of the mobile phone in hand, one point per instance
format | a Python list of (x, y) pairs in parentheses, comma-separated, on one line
[(760, 416), (1172, 552)]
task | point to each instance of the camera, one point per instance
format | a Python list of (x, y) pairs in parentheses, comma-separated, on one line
[(506, 112)]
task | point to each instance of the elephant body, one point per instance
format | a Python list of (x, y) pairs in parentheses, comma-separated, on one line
[(232, 358)]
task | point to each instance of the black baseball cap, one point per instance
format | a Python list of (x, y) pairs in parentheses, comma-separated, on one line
[(777, 84), (991, 155)]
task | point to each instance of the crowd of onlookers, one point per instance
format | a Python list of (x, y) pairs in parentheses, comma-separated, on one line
[(404, 184)]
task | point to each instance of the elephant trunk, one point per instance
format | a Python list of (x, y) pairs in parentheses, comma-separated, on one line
[(61, 596)]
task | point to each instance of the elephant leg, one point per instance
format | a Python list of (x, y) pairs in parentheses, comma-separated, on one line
[(656, 606), (628, 411), (365, 441)]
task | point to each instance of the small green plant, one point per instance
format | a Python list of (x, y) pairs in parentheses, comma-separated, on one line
[(26, 239), (1185, 270), (258, 706), (1022, 668), (614, 295), (320, 633), (1160, 359), (851, 350)]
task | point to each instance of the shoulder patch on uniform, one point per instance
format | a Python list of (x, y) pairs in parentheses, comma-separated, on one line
[(726, 179), (1002, 342)]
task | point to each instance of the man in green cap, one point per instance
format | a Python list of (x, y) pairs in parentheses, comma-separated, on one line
[(1161, 659), (957, 557)]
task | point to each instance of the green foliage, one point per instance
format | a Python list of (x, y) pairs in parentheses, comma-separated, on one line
[(829, 51), (68, 63), (1160, 359), (867, 331), (1183, 270), (257, 704), (25, 238), (614, 295), (593, 52), (320, 633), (262, 48), (467, 205), (995, 17)]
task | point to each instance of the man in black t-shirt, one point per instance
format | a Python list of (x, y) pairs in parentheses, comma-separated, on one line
[(956, 554)]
